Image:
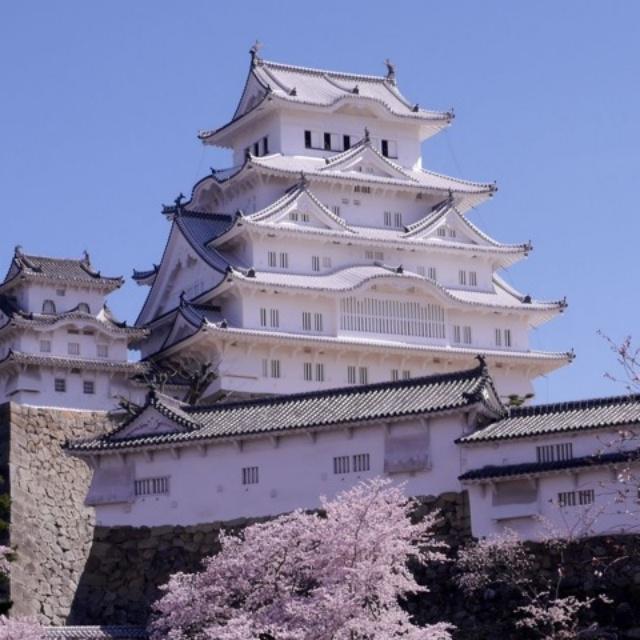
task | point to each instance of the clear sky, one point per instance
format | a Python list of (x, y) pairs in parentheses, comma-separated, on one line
[(100, 103)]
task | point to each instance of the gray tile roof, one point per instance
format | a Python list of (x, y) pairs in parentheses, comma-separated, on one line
[(96, 633), (199, 229), (63, 270), (333, 407), (536, 420), (494, 472), (20, 357)]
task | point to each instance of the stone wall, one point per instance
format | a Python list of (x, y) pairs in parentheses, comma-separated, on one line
[(127, 565), (50, 527)]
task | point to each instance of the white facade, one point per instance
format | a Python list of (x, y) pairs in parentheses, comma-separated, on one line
[(327, 245), (60, 346)]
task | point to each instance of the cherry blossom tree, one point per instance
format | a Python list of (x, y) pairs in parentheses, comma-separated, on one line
[(334, 575)]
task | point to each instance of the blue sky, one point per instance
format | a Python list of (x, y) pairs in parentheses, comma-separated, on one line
[(101, 102)]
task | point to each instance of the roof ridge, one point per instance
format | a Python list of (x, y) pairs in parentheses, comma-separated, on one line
[(316, 71), (477, 371), (568, 405)]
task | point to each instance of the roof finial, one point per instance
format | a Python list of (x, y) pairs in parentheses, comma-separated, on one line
[(17, 251), (367, 135), (481, 362), (304, 183), (86, 258), (178, 201), (391, 71), (182, 298), (254, 51)]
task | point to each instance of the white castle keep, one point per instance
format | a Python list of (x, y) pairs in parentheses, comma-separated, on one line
[(354, 318)]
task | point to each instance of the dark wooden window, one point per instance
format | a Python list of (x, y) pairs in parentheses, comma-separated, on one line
[(346, 142), (307, 139), (327, 141), (385, 148)]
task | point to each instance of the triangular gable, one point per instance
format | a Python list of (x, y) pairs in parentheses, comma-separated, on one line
[(364, 159), (253, 93), (301, 208), (149, 422)]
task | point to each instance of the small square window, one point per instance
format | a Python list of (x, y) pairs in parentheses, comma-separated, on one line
[(103, 350), (60, 385), (73, 348), (250, 475), (89, 387), (45, 346)]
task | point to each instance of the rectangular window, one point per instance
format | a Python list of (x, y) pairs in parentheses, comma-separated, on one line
[(60, 385), (351, 374), (61, 292), (73, 348), (250, 475), (361, 462), (272, 259), (363, 375), (406, 374), (336, 210), (274, 316), (442, 232), (265, 146), (385, 148), (462, 277), (265, 367), (320, 372), (395, 375), (263, 317), (315, 263), (586, 496), (466, 335), (45, 346), (293, 215), (473, 278), (102, 350), (326, 262), (498, 338), (275, 368), (507, 337), (306, 320), (397, 219), (362, 188), (256, 148), (387, 218), (356, 203), (452, 232), (317, 322), (341, 465), (432, 273), (554, 452), (88, 386), (307, 139), (151, 486), (284, 260), (308, 371), (327, 141), (346, 142), (567, 499), (457, 334)]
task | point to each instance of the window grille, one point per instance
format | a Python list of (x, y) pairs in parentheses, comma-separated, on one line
[(356, 202), (263, 317), (250, 475), (442, 232), (308, 371), (462, 277), (60, 385), (326, 262), (507, 337), (305, 217), (351, 374), (306, 320), (554, 452), (473, 278), (397, 219), (265, 367), (45, 346), (88, 386), (152, 486), (395, 375), (73, 348), (391, 317), (387, 218), (498, 338), (361, 462), (406, 374), (452, 232), (363, 375), (586, 496), (336, 210), (320, 372), (274, 317), (567, 499), (341, 465), (61, 292), (315, 263), (466, 334), (284, 260), (293, 215), (457, 334), (432, 273), (275, 368), (272, 259), (317, 322), (361, 188)]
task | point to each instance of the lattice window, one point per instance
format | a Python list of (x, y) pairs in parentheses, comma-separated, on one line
[(60, 385), (351, 374), (392, 317), (308, 371), (554, 452), (250, 475), (151, 486), (361, 462), (341, 465), (89, 387)]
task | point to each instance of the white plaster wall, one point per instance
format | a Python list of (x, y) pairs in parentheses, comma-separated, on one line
[(35, 294), (293, 471)]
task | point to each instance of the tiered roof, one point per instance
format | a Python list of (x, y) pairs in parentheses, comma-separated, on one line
[(57, 271), (20, 358), (317, 410), (272, 84)]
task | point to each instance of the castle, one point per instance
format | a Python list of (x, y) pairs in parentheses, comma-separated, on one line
[(352, 321)]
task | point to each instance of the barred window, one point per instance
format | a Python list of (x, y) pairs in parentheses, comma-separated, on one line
[(395, 375), (586, 496), (320, 372), (554, 452), (315, 263), (387, 218), (397, 219), (275, 318), (60, 385), (88, 386), (284, 260), (462, 277), (263, 317), (391, 317), (341, 465), (152, 486), (73, 348), (567, 499), (272, 259), (432, 273), (275, 368), (442, 232), (351, 374), (326, 262), (308, 371), (250, 475), (317, 321), (466, 335), (473, 278), (306, 321), (363, 375), (361, 462), (406, 374)]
